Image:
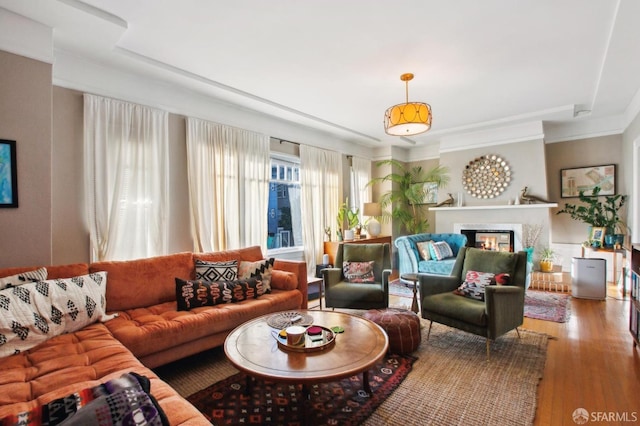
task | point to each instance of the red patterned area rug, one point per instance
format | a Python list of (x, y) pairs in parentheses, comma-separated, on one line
[(547, 306), (338, 403)]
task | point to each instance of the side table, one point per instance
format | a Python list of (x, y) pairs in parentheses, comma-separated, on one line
[(313, 281), (414, 279)]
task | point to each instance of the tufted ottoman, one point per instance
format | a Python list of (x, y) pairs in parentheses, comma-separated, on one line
[(402, 327)]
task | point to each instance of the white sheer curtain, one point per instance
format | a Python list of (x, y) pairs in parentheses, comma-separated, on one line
[(228, 172), (126, 178), (360, 176), (320, 177)]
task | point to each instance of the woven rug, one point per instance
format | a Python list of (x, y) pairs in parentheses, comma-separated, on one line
[(450, 383), (342, 402), (547, 306)]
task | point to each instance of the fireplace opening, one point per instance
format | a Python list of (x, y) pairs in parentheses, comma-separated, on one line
[(490, 239)]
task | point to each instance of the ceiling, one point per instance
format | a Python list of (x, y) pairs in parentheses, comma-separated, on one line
[(336, 65)]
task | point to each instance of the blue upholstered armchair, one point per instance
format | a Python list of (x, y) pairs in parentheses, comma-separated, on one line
[(411, 262)]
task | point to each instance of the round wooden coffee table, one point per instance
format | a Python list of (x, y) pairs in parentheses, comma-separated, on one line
[(252, 348)]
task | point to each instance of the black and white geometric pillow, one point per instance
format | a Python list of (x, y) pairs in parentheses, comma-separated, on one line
[(23, 278), (34, 312), (216, 271)]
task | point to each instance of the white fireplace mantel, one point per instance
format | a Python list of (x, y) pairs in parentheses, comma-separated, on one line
[(496, 207)]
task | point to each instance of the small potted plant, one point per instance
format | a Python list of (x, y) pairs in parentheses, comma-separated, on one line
[(547, 257)]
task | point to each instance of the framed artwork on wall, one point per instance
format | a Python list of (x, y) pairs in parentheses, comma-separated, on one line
[(572, 181), (8, 174), (431, 192)]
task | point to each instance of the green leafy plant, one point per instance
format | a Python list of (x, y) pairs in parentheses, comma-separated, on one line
[(547, 254), (407, 193), (598, 212), (352, 216)]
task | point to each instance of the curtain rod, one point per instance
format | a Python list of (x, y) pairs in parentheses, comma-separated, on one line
[(284, 140)]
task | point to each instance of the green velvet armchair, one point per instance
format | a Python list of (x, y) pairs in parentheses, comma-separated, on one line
[(503, 307), (340, 293)]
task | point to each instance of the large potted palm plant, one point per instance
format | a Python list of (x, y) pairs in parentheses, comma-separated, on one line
[(408, 191)]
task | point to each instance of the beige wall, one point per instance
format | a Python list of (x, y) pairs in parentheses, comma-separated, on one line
[(25, 116), (70, 235), (179, 216), (527, 164), (526, 160), (580, 153)]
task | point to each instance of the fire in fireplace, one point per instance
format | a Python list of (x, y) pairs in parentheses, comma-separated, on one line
[(490, 239)]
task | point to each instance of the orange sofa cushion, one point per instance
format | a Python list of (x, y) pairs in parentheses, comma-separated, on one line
[(161, 327), (75, 361), (140, 283)]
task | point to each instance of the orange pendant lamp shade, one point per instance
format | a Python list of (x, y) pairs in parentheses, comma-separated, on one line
[(410, 118)]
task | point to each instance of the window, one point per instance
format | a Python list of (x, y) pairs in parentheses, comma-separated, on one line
[(285, 228)]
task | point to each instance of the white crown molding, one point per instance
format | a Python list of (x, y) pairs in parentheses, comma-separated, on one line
[(425, 152), (583, 129), (25, 37), (96, 12), (84, 75), (491, 137)]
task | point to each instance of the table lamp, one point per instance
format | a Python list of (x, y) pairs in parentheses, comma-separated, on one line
[(373, 210)]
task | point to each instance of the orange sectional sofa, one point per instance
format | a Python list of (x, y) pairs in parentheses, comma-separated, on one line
[(148, 331)]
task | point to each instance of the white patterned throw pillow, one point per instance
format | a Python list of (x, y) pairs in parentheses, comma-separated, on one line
[(440, 250), (34, 312), (216, 271), (23, 278)]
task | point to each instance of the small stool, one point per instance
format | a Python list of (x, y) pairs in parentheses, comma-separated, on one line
[(402, 328)]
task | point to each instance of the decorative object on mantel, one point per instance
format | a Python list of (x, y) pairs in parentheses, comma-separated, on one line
[(410, 118), (600, 214), (447, 202), (527, 198), (407, 193), (486, 176)]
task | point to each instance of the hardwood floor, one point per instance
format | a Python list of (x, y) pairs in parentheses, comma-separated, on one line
[(591, 364)]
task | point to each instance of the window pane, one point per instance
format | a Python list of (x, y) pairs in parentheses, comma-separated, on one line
[(284, 224)]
